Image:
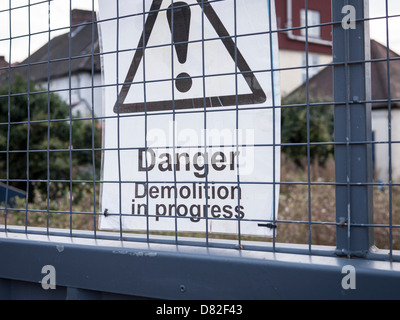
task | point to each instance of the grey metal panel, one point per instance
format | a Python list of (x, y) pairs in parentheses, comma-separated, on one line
[(179, 272)]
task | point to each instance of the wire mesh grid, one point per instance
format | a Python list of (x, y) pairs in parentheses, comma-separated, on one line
[(52, 123)]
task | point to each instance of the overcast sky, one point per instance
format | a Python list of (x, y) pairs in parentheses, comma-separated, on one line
[(59, 19), (378, 26)]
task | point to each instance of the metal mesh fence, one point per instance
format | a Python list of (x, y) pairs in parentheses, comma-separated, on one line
[(331, 143)]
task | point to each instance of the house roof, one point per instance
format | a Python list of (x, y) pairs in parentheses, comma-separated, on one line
[(3, 65), (320, 86), (69, 52)]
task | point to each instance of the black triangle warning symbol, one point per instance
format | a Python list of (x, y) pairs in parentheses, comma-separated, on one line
[(181, 18)]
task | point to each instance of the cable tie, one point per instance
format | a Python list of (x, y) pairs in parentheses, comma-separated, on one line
[(268, 225)]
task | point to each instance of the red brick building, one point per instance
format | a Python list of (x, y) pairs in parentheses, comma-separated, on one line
[(291, 19)]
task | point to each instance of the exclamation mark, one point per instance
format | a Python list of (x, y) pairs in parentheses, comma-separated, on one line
[(180, 35)]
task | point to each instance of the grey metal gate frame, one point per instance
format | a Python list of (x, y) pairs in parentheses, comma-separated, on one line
[(127, 266)]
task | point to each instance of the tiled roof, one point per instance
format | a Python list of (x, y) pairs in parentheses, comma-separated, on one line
[(320, 86), (73, 53)]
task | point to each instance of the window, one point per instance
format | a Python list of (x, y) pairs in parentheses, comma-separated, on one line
[(313, 19)]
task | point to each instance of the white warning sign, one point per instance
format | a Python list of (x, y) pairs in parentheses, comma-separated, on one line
[(192, 125)]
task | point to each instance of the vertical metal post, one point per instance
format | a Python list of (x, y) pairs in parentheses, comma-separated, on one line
[(353, 153)]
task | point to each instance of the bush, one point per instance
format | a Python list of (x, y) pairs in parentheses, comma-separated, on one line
[(294, 130), (47, 120)]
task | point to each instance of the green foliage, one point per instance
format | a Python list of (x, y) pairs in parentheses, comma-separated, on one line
[(294, 130), (40, 123)]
